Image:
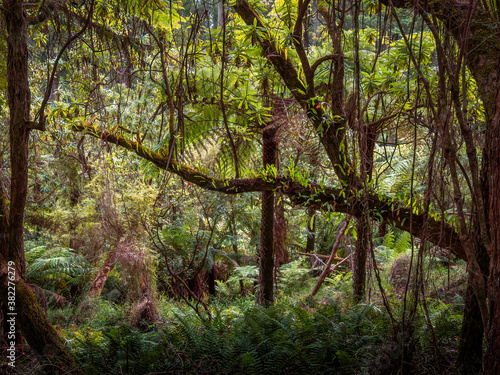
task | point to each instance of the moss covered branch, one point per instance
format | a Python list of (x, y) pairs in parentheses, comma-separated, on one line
[(311, 195)]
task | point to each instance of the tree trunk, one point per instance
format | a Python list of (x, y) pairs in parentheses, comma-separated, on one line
[(266, 251), (30, 318), (145, 313), (36, 328), (470, 24), (211, 281), (471, 340), (311, 230), (280, 229), (265, 296), (19, 105), (359, 258), (470, 353), (492, 155), (99, 281), (492, 358), (484, 66)]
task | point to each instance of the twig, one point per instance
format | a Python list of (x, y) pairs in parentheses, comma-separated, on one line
[(327, 270)]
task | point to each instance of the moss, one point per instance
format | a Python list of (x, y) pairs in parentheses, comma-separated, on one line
[(41, 336)]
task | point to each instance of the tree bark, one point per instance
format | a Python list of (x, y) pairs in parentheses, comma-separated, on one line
[(265, 296), (280, 231), (492, 151), (36, 328), (19, 98), (211, 281), (30, 318), (311, 230), (471, 340), (359, 258), (470, 353), (99, 281), (145, 313)]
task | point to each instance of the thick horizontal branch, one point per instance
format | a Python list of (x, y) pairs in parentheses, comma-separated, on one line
[(311, 195)]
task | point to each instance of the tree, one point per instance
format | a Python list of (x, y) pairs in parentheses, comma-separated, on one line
[(266, 249), (330, 121), (32, 321), (469, 23), (348, 120)]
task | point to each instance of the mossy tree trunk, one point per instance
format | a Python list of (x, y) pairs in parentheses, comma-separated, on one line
[(36, 328), (19, 99), (30, 318)]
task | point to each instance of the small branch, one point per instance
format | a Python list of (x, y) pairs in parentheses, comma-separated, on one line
[(375, 124), (321, 60), (320, 256), (32, 125), (367, 103), (327, 269), (297, 31), (341, 262), (40, 116), (297, 42)]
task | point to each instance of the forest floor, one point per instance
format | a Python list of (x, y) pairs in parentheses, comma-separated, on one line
[(229, 334)]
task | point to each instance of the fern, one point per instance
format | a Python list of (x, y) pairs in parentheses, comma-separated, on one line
[(389, 239), (281, 339), (121, 350), (402, 243), (56, 269)]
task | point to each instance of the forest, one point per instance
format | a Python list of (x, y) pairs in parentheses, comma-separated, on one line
[(250, 187)]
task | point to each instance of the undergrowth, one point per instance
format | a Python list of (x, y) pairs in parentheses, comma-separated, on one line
[(282, 339), (328, 334), (318, 336)]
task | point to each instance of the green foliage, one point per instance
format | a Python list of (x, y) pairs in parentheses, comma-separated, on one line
[(103, 314), (241, 280), (446, 320), (394, 244), (280, 339), (294, 275), (402, 243), (161, 73), (57, 269), (389, 239), (117, 350)]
